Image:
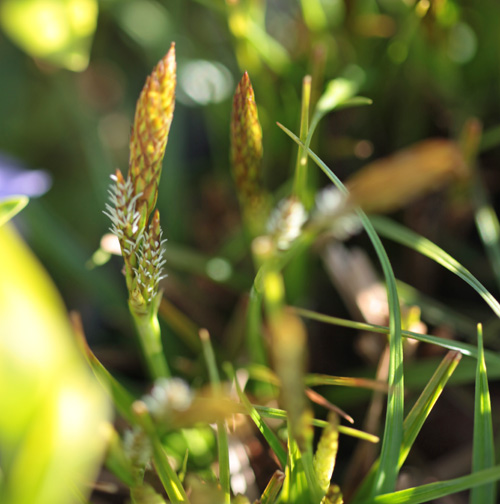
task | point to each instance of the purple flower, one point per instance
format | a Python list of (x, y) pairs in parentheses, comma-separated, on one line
[(15, 179)]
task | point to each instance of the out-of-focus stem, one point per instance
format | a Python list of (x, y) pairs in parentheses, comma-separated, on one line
[(300, 182)]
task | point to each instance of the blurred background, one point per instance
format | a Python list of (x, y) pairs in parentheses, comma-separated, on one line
[(70, 74)]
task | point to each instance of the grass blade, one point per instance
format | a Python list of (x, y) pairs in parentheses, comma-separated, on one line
[(393, 431), (300, 184), (273, 488), (488, 226), (222, 439), (268, 434), (416, 417), (170, 481), (280, 414), (427, 493), (122, 398), (483, 451), (492, 358), (405, 236)]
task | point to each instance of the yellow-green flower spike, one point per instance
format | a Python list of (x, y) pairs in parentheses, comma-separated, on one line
[(246, 153), (326, 452), (153, 117)]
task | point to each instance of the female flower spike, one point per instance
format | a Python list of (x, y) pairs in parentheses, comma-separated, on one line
[(246, 155), (153, 117)]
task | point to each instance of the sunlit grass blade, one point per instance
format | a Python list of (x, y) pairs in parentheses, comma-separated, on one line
[(488, 227), (483, 452), (280, 414), (431, 491), (222, 439), (313, 380), (492, 358), (168, 477), (393, 430), (416, 417), (295, 486), (122, 398), (264, 429), (273, 488), (435, 312), (405, 236)]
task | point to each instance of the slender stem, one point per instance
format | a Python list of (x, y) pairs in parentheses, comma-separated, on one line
[(222, 437), (150, 338), (300, 182)]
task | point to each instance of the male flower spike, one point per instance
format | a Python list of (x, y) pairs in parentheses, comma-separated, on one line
[(246, 157)]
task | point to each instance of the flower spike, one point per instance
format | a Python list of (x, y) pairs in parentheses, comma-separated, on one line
[(153, 117), (246, 155)]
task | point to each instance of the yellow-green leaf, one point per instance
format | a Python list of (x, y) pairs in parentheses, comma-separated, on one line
[(53, 411), (58, 31), (11, 206)]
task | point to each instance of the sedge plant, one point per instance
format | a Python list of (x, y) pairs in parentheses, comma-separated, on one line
[(276, 335)]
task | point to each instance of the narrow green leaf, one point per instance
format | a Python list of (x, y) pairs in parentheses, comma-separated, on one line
[(405, 236), (168, 477), (393, 431), (273, 488), (268, 434), (435, 312), (301, 186), (11, 206), (431, 491), (415, 418), (280, 414), (222, 439), (492, 358), (483, 451), (487, 225), (255, 342), (295, 487), (122, 398)]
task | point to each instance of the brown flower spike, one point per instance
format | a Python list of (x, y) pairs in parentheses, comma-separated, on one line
[(153, 117), (246, 152)]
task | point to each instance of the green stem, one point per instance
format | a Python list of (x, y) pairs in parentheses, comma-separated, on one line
[(222, 437), (148, 328), (300, 183)]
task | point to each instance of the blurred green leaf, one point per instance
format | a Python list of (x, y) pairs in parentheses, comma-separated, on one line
[(11, 206), (52, 438), (58, 31)]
